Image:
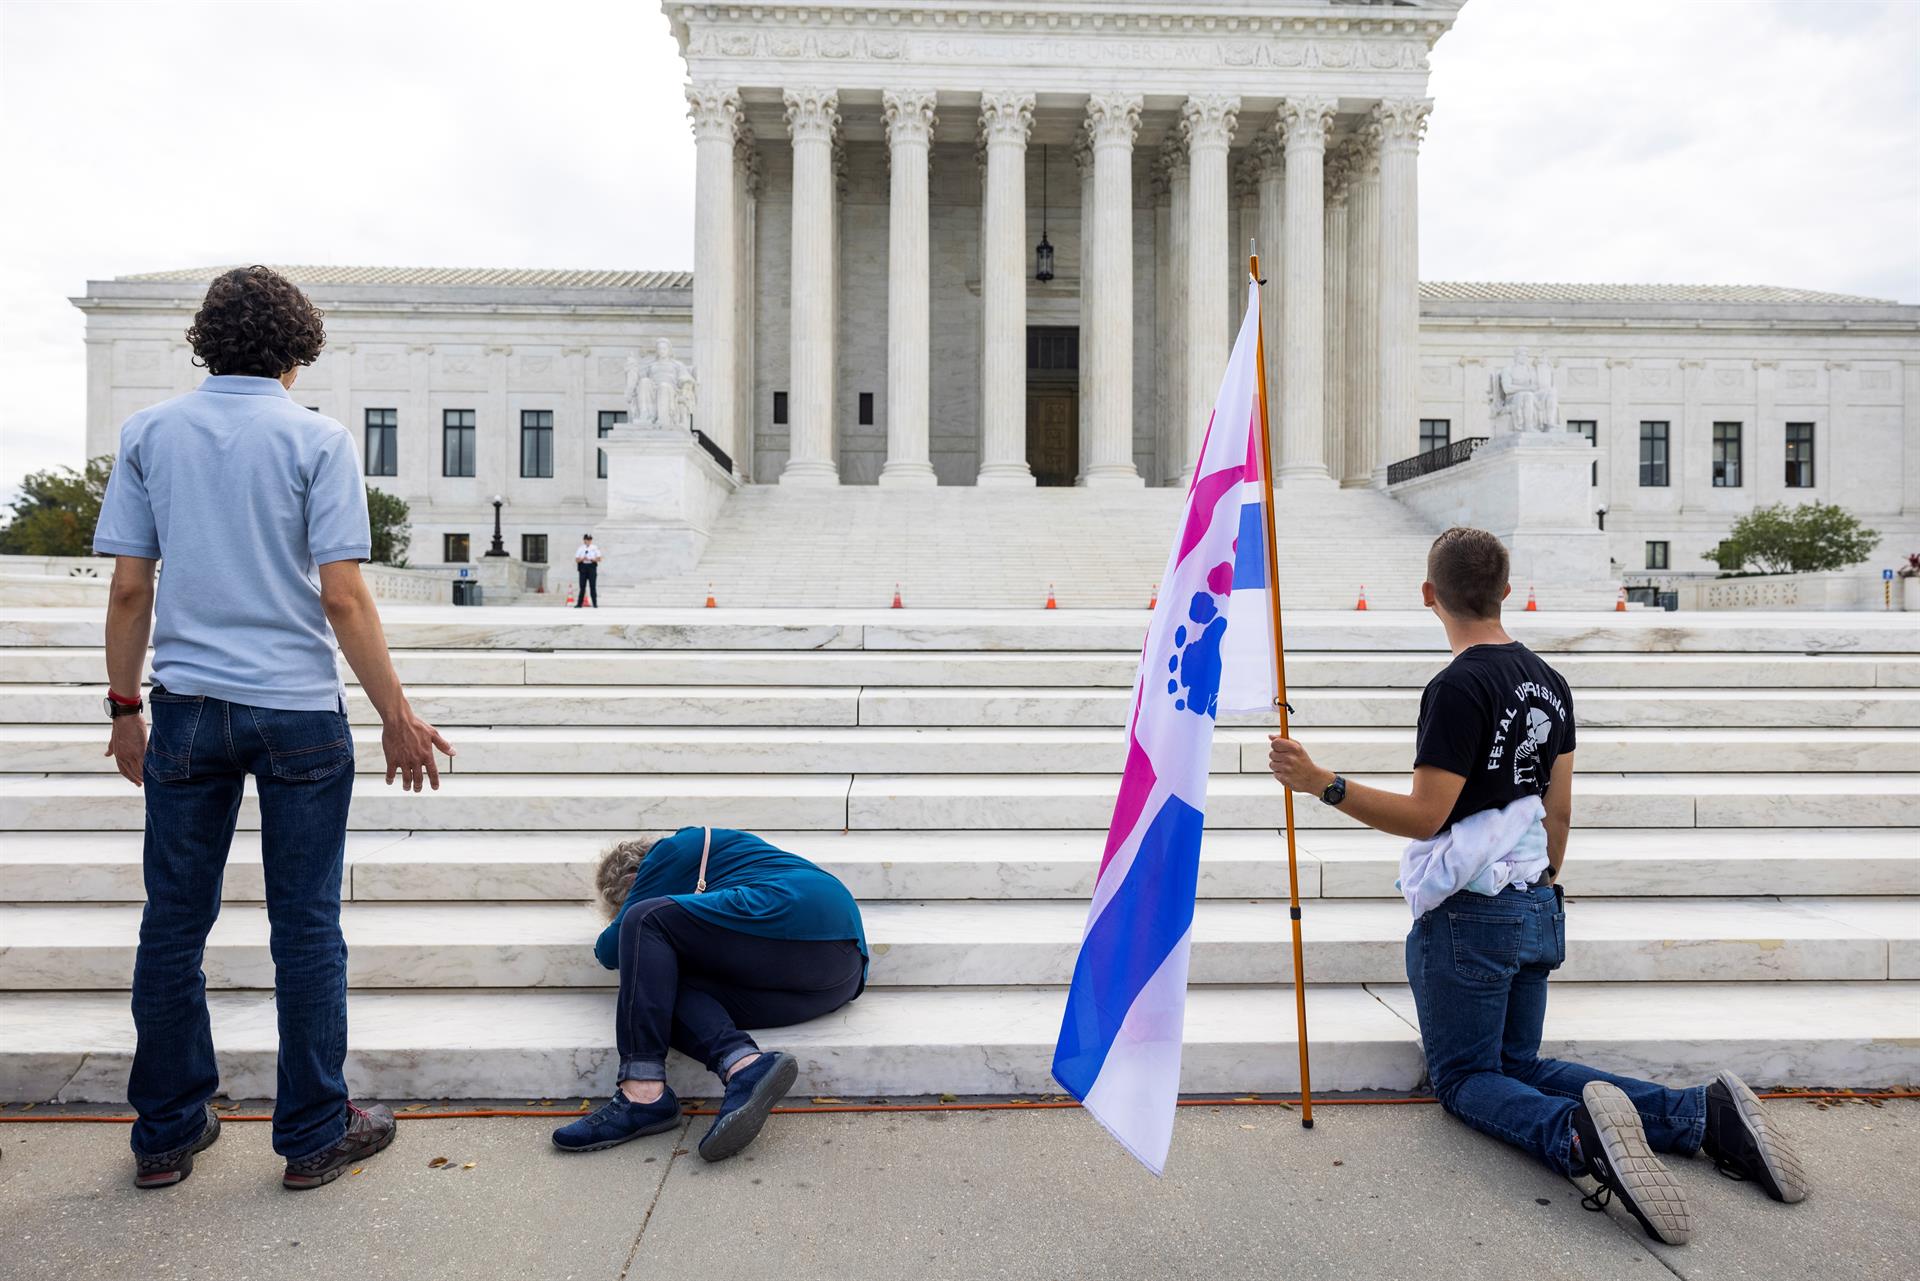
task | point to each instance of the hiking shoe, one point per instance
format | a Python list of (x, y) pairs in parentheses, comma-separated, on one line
[(618, 1120), (751, 1094), (1614, 1146), (1746, 1143), (168, 1168), (369, 1130)]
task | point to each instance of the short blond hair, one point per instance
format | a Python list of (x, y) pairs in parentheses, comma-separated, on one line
[(619, 865)]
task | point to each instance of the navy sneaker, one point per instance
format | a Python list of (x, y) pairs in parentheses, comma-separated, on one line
[(751, 1094), (618, 1120), (1745, 1142), (165, 1169)]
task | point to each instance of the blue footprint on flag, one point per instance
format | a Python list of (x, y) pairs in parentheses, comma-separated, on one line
[(1197, 665)]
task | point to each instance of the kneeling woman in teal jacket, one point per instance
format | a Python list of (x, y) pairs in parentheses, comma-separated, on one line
[(714, 930)]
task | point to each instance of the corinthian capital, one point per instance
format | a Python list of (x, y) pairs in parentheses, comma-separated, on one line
[(813, 114), (1006, 117), (1338, 173), (1362, 152), (1401, 121), (1207, 120), (714, 111), (1304, 122), (1113, 119), (1246, 177), (909, 115)]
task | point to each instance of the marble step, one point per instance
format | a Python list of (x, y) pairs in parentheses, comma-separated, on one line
[(1015, 707), (1626, 708), (1037, 630), (922, 802), (76, 749), (78, 1047), (84, 666), (1345, 863), (60, 947)]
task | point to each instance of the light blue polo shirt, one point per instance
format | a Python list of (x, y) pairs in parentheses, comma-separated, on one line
[(243, 494)]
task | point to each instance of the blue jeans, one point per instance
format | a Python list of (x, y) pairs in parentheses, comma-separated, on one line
[(199, 753), (1478, 965)]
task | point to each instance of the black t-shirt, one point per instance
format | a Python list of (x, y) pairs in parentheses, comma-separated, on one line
[(1498, 717)]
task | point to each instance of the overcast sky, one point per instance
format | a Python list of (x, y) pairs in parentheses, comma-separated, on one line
[(1700, 141)]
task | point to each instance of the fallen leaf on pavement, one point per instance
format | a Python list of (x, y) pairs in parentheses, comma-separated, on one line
[(824, 1099), (469, 1165), (436, 1163)]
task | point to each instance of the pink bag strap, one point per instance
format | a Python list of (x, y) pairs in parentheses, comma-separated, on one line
[(706, 848)]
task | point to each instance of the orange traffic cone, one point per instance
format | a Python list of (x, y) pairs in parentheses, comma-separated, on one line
[(896, 598), (710, 604), (570, 595), (1362, 602), (1051, 602), (1153, 600), (1620, 605), (1533, 606)]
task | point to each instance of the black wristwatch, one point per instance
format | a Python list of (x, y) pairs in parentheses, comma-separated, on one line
[(115, 709), (1335, 792)]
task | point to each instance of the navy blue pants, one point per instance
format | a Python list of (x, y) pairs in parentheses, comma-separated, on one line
[(199, 753), (690, 984)]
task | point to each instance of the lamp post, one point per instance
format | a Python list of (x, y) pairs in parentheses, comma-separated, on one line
[(1043, 252), (499, 547)]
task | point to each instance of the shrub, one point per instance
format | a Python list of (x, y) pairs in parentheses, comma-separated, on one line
[(391, 525), (1807, 539), (56, 511)]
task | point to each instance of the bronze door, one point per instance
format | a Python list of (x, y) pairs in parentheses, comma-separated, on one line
[(1053, 435)]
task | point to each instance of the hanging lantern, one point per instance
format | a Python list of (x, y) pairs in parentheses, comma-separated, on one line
[(1043, 252)]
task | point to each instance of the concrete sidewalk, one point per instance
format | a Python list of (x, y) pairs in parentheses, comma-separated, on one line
[(1371, 1192)]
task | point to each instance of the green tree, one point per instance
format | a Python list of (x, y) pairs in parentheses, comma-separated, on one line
[(391, 524), (56, 511), (1807, 539)]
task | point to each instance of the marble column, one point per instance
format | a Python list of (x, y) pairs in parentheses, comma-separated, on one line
[(1206, 126), (746, 201), (1363, 309), (1273, 259), (1333, 399), (1083, 160), (812, 119), (1173, 329), (909, 115), (715, 112), (1246, 233), (1006, 119), (1114, 120), (1400, 122), (1303, 458)]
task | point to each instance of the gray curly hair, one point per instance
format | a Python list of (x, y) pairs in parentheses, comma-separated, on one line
[(618, 866)]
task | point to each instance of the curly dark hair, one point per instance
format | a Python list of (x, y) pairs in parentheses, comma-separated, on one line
[(255, 321)]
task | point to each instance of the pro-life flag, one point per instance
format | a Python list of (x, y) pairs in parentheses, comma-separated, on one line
[(1209, 648)]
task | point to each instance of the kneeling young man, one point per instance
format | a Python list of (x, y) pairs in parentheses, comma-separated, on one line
[(1491, 804)]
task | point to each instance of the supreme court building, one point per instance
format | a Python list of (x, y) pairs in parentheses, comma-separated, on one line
[(1003, 244)]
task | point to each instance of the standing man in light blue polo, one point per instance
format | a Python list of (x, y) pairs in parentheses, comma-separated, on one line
[(256, 507)]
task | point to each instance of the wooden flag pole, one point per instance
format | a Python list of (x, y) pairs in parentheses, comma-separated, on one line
[(1280, 702)]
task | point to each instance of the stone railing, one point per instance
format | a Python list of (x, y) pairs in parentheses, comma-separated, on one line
[(1838, 590), (427, 586)]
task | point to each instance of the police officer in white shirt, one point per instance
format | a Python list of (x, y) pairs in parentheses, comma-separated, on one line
[(587, 557)]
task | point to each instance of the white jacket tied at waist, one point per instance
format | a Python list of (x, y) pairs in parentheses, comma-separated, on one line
[(1484, 852)]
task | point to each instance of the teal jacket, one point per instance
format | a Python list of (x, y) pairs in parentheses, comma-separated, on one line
[(752, 887)]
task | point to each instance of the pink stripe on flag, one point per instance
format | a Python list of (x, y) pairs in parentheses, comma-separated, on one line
[(1136, 785), (1207, 493)]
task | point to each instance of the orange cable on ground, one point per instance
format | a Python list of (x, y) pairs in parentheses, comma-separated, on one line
[(1036, 1105), (1280, 699)]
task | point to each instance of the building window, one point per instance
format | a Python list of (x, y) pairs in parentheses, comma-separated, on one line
[(536, 442), (1653, 455), (533, 548), (1591, 430), (456, 443), (1656, 555), (779, 409), (866, 409), (609, 419), (383, 450), (1434, 433), (1799, 455), (1726, 455), (454, 548)]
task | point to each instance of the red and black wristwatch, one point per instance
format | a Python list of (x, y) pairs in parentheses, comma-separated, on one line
[(116, 706)]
